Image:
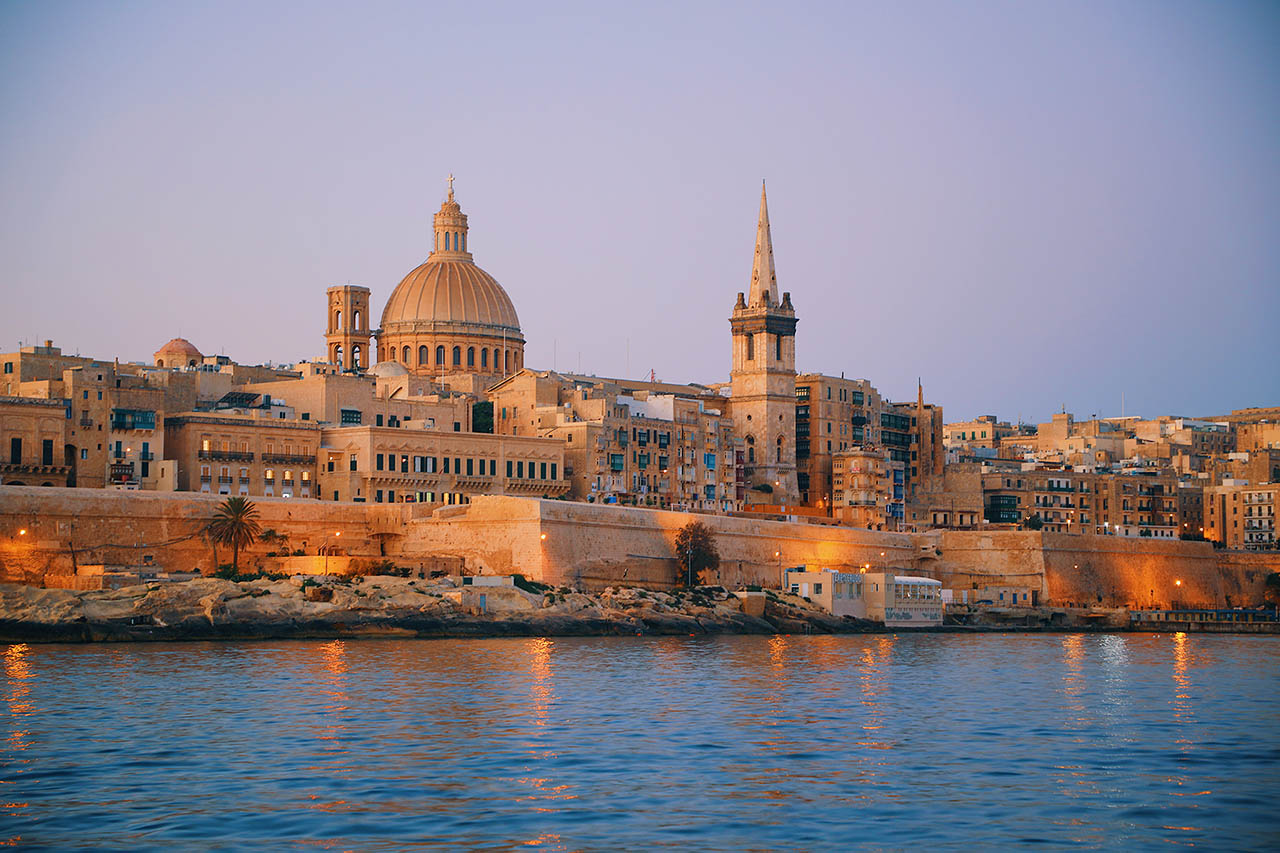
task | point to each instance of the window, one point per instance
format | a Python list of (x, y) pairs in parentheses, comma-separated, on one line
[(440, 356), (709, 460), (353, 462), (8, 367), (377, 420), (404, 464), (405, 355), (350, 417), (520, 469), (377, 462), (751, 347), (15, 451), (484, 358), (509, 466), (423, 355), (471, 356), (553, 471), (778, 354), (457, 356), (446, 464), (542, 470)]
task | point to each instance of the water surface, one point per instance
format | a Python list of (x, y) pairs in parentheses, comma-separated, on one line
[(732, 743)]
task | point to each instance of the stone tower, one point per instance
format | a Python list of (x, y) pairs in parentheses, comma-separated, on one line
[(763, 377), (347, 331)]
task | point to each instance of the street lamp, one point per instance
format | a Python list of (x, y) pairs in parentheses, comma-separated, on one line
[(22, 532)]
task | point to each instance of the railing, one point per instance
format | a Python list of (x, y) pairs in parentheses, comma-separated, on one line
[(147, 456), (1218, 616), (225, 455), (288, 459), (86, 422), (224, 480)]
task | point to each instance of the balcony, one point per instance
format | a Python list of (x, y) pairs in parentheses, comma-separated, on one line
[(147, 456), (226, 455), (226, 481), (287, 459), (86, 422)]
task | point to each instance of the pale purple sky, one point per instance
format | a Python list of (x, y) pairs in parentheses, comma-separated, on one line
[(1026, 204)]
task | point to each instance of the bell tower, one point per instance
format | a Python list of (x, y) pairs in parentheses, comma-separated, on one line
[(347, 331), (762, 381)]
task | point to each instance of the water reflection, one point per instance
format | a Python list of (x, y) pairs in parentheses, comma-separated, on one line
[(18, 671)]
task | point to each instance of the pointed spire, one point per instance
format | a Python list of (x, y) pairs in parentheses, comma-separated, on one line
[(764, 282)]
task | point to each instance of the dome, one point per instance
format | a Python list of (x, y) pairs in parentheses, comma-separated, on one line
[(388, 370), (448, 316), (178, 352), (453, 292)]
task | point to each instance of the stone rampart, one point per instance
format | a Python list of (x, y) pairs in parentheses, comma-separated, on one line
[(594, 546)]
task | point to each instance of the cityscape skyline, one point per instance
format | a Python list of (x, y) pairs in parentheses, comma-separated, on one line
[(155, 184)]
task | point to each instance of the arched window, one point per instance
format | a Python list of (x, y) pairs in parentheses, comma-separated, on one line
[(751, 449), (464, 242), (506, 361), (405, 353), (391, 353), (457, 356), (484, 359), (337, 355), (424, 355), (440, 356), (159, 362), (355, 356), (778, 456), (751, 347), (357, 321), (471, 356), (337, 320)]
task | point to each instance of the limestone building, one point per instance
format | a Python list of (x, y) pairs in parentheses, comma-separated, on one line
[(347, 332), (448, 316), (398, 464), (763, 377), (833, 414), (647, 444), (228, 454)]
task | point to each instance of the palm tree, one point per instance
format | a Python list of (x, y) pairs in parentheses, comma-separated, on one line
[(235, 524)]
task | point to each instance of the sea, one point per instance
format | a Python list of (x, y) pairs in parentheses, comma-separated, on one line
[(866, 742)]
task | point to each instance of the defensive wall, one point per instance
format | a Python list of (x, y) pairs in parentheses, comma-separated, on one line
[(593, 546)]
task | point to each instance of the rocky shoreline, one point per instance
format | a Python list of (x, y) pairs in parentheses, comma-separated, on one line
[(382, 606)]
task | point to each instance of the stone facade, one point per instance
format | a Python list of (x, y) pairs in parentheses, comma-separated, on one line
[(347, 332), (763, 378), (225, 454), (436, 467)]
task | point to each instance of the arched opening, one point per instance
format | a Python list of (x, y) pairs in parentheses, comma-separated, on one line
[(751, 449), (191, 363), (440, 356), (457, 356), (355, 356), (471, 356), (357, 321), (159, 362), (464, 242), (337, 320), (424, 355), (337, 355), (751, 347), (391, 354), (778, 455), (506, 361), (405, 353), (484, 359)]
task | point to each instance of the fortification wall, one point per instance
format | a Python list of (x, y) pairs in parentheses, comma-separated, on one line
[(77, 526), (1110, 571), (594, 546)]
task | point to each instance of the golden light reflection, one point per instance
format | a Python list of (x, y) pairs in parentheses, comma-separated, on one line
[(18, 671), (333, 730), (541, 689)]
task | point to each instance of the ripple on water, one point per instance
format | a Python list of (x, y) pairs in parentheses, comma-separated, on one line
[(733, 743)]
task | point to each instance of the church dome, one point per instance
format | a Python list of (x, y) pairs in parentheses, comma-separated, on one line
[(388, 370), (179, 352), (452, 291), (449, 316)]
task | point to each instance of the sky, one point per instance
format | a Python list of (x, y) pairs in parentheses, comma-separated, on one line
[(1028, 206)]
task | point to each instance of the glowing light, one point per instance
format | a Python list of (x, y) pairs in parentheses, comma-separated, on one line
[(1177, 583), (337, 533), (543, 537), (22, 532)]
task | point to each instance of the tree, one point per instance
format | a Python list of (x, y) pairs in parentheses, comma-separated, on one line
[(1035, 522), (236, 524), (696, 550), (482, 417), (1271, 590)]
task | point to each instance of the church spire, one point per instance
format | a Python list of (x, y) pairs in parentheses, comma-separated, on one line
[(764, 282)]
